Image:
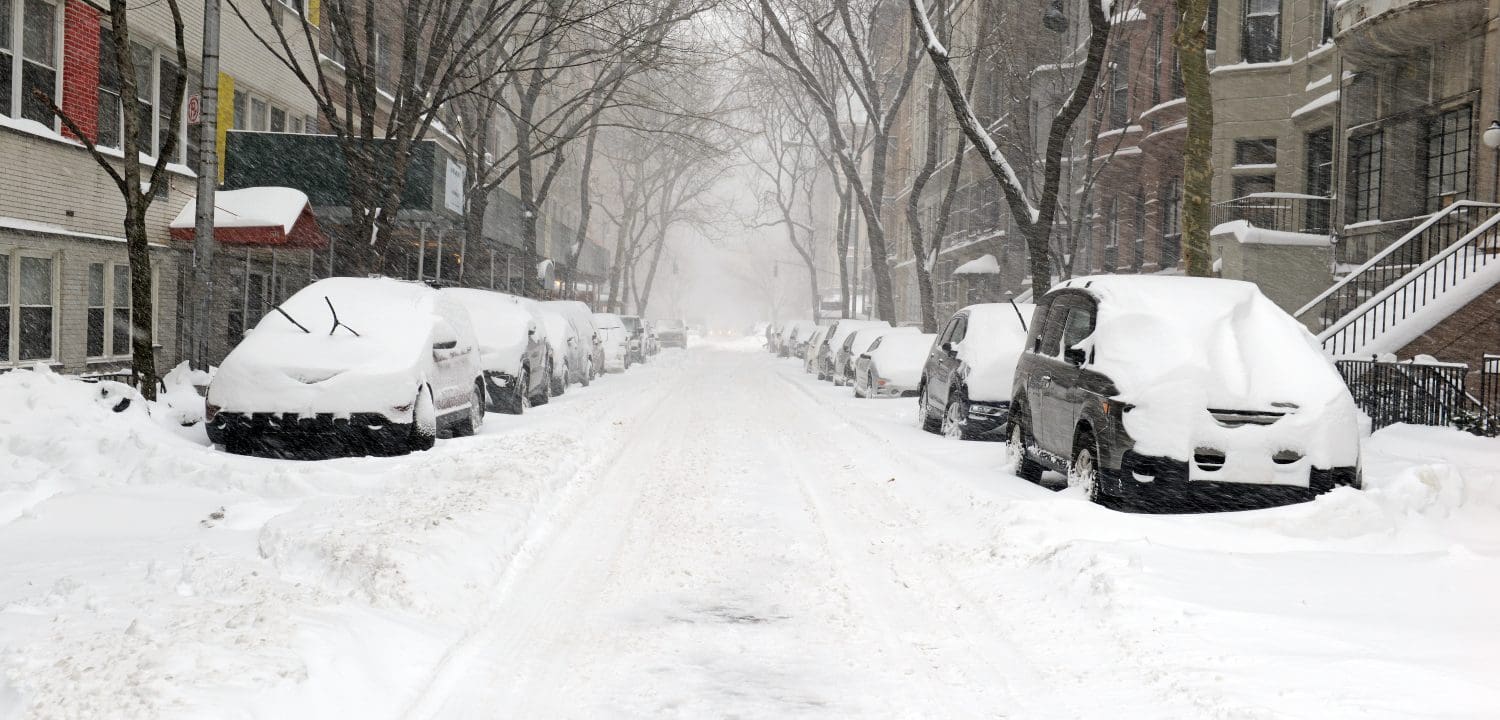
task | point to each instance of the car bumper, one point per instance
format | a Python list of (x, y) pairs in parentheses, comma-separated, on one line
[(1159, 484), (315, 437), (989, 420)]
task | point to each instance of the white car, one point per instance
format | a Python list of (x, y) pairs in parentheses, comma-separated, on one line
[(855, 344), (615, 338), (562, 338), (892, 366), (585, 356), (513, 349), (350, 366)]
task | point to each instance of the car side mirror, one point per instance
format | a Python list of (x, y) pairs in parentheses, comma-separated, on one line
[(1075, 356), (948, 348), (445, 345)]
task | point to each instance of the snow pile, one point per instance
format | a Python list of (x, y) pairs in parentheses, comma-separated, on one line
[(1177, 347), (983, 265), (991, 347), (1246, 234)]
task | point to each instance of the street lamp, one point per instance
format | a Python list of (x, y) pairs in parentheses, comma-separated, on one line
[(1491, 139)]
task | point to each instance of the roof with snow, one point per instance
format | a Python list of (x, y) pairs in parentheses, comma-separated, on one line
[(257, 216), (982, 265)]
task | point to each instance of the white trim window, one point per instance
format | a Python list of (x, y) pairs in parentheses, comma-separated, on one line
[(28, 291), (155, 79), (30, 26)]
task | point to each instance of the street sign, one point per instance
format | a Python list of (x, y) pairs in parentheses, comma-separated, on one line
[(194, 109)]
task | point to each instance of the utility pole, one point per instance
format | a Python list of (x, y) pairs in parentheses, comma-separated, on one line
[(208, 179)]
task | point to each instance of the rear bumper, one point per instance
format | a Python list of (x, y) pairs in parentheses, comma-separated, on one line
[(989, 420), (308, 437), (1159, 484)]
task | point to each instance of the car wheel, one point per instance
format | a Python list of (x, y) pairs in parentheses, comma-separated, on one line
[(423, 433), (1026, 468), (1083, 471), (475, 417), (956, 418), (544, 393), (516, 398), (924, 414), (588, 375), (559, 384)]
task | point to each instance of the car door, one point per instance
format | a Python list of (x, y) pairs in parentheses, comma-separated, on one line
[(1065, 394), (945, 352), (454, 358), (1045, 368)]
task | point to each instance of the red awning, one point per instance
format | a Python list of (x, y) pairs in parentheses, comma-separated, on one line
[(257, 217)]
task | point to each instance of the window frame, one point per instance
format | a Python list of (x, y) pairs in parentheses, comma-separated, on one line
[(1454, 148), (13, 305), (1366, 165), (16, 56), (1260, 50), (1246, 152)]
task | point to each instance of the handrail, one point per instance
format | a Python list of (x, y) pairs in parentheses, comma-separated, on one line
[(1391, 250), (1338, 332)]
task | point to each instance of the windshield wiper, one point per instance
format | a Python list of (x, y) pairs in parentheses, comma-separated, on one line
[(292, 320), (336, 322), (1019, 316)]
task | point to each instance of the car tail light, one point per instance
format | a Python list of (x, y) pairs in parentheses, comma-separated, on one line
[(1286, 457), (210, 411)]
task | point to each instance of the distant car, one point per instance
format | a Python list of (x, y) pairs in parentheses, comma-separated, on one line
[(892, 366), (635, 332), (615, 338), (795, 337), (834, 339), (349, 366), (855, 344), (562, 337), (812, 347), (512, 349), (965, 385), (584, 359), (653, 343), (671, 334), (1176, 393)]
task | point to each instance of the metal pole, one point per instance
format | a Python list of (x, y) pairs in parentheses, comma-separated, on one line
[(245, 297), (439, 275), (275, 298), (492, 269), (463, 247), (330, 255), (421, 252), (208, 178)]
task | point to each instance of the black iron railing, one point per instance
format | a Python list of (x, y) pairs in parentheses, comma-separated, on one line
[(1288, 212), (1414, 290), (1405, 392), (1435, 234)]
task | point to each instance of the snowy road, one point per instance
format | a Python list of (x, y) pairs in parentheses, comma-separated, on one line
[(716, 534)]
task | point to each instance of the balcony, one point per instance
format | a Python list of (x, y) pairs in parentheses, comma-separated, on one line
[(1282, 211), (1383, 32)]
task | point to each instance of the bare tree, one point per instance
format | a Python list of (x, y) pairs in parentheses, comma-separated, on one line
[(1033, 216), (127, 178), (789, 166), (1197, 154), (855, 38)]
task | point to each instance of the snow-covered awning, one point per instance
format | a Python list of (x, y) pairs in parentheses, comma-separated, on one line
[(259, 217), (982, 265)]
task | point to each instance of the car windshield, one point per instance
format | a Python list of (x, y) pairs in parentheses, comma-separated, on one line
[(803, 359)]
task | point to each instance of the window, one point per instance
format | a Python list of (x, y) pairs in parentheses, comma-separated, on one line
[(1119, 99), (1364, 178), (1448, 141), (241, 115), (295, 125), (1140, 230), (1328, 21), (120, 319), (1255, 152), (1156, 63), (96, 312), (258, 121), (29, 26), (1177, 89), (278, 120), (382, 57), (1319, 177), (166, 98), (1260, 34), (35, 308), (310, 125), (1112, 235), (1171, 222), (141, 57), (111, 120), (1077, 328), (1213, 25)]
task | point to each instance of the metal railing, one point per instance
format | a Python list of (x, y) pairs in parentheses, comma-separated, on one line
[(1288, 212), (1414, 290), (1438, 232), (1404, 392), (1487, 419)]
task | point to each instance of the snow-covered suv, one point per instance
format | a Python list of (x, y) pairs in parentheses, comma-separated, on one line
[(965, 387), (1173, 393)]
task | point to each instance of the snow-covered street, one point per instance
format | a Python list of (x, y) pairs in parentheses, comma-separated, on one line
[(716, 534)]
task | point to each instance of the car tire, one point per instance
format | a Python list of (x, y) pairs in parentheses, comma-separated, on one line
[(559, 386), (1084, 470), (424, 428), (588, 375), (545, 394), (955, 419), (1020, 437), (475, 418), (515, 399), (924, 413)]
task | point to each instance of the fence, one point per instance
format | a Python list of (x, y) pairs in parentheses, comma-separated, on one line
[(1424, 394), (1289, 212)]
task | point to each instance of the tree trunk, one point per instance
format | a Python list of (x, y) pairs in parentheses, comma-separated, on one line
[(585, 210), (478, 203), (841, 245), (880, 266), (142, 311), (1197, 155)]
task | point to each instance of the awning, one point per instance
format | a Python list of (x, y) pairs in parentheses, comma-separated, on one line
[(982, 265), (268, 217)]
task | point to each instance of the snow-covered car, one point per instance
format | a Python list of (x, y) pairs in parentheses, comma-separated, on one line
[(562, 338), (892, 366), (964, 391), (615, 338), (794, 338), (855, 344), (1172, 393), (585, 357), (829, 345), (671, 333), (635, 331), (512, 349), (349, 366), (811, 347), (653, 344)]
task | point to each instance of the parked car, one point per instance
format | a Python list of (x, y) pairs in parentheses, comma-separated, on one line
[(965, 387), (811, 348), (795, 337), (561, 339), (823, 361), (855, 345), (635, 332), (349, 366), (615, 338), (672, 333), (1178, 393), (653, 343), (892, 366), (513, 350), (585, 357)]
